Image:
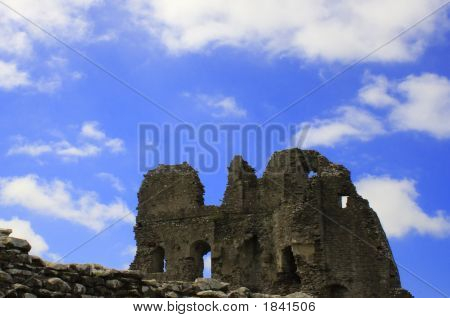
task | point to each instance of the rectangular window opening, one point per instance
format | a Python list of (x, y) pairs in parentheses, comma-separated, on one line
[(344, 201)]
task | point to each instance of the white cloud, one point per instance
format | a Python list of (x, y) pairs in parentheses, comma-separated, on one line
[(221, 106), (350, 123), (33, 149), (66, 19), (77, 75), (328, 30), (106, 37), (96, 142), (91, 130), (11, 77), (424, 105), (112, 179), (375, 92), (22, 229), (416, 103), (63, 149), (115, 145), (395, 202), (66, 150), (49, 84), (59, 199)]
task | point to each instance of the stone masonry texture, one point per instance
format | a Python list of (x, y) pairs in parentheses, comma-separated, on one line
[(301, 230), (26, 276), (300, 227)]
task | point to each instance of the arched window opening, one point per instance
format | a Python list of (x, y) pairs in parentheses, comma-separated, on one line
[(158, 260), (288, 264), (201, 254), (337, 291)]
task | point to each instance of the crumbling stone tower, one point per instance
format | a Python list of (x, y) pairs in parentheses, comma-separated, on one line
[(300, 227)]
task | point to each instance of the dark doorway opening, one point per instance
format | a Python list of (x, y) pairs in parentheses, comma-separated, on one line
[(288, 265), (158, 260), (249, 263)]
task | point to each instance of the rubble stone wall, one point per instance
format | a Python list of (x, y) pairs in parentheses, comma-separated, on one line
[(24, 275)]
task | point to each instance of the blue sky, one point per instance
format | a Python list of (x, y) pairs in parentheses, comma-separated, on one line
[(70, 145)]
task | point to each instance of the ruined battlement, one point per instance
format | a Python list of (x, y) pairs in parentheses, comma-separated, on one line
[(300, 227)]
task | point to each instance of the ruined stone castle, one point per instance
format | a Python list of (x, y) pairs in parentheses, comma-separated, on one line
[(300, 227), (300, 230)]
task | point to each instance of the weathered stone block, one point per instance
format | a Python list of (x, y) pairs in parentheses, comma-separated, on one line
[(19, 272), (210, 284), (15, 243), (21, 288), (211, 294), (5, 232), (241, 292), (5, 277), (79, 289), (114, 284), (58, 285)]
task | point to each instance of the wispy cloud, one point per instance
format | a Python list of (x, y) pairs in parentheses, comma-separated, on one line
[(218, 106), (19, 40), (61, 200), (93, 142), (31, 149), (11, 77), (66, 150), (91, 130), (349, 123)]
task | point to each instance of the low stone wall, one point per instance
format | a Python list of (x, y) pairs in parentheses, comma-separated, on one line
[(24, 275)]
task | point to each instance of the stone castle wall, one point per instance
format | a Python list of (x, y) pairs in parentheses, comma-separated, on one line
[(284, 232)]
